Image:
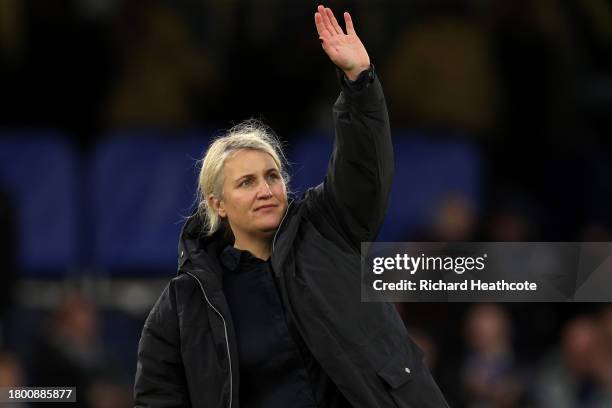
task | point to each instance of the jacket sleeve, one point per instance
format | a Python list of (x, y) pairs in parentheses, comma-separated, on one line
[(160, 376), (354, 195)]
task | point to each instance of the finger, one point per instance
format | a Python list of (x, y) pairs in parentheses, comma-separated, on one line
[(334, 22), (349, 23), (324, 34), (328, 24), (319, 23), (321, 13)]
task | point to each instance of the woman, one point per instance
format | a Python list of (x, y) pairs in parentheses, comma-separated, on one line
[(265, 310)]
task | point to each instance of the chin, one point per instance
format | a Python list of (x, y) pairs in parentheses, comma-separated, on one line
[(268, 225)]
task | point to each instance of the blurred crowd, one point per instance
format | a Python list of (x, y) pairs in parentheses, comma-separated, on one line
[(509, 355), (529, 82), (67, 351), (482, 355)]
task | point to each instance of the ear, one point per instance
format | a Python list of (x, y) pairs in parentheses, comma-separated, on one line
[(218, 205)]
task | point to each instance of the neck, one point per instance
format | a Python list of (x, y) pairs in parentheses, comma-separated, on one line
[(261, 248)]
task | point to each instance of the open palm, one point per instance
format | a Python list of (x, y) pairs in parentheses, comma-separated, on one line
[(345, 50)]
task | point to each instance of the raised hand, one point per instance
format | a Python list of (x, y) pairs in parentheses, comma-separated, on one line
[(345, 50)]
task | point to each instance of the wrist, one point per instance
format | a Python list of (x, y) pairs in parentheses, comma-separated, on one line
[(353, 73)]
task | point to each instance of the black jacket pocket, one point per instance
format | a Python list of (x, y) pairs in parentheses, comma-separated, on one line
[(398, 370), (410, 383)]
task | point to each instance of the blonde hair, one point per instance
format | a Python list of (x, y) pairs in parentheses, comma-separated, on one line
[(250, 134)]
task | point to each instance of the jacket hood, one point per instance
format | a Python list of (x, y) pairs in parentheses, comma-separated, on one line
[(199, 253)]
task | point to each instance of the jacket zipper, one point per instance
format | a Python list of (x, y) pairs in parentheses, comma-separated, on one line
[(280, 225), (229, 357)]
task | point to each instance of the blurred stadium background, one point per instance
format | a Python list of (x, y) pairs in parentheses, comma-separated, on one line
[(501, 121)]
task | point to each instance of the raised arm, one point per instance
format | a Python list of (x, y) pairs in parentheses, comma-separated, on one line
[(354, 195)]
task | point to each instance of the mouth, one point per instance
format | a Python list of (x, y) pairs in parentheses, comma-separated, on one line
[(266, 207)]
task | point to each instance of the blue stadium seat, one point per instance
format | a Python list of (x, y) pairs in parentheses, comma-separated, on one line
[(309, 157), (39, 171), (143, 188), (427, 170)]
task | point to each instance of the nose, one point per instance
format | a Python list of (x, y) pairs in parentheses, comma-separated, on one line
[(264, 191)]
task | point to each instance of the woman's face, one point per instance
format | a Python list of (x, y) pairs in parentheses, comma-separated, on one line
[(254, 194)]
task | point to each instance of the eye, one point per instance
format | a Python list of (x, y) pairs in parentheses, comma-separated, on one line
[(246, 182), (273, 177)]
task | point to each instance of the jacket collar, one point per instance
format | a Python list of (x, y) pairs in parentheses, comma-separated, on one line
[(200, 254)]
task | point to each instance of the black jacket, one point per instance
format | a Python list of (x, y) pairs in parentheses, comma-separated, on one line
[(187, 356)]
